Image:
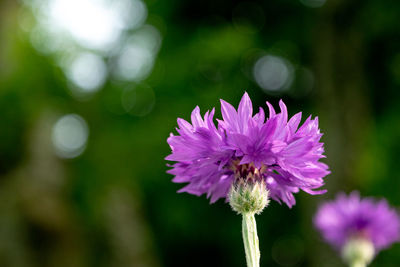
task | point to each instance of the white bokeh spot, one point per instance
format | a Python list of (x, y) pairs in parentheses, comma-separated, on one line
[(69, 136), (273, 73)]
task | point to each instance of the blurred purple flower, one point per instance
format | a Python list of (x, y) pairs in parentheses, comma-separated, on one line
[(351, 217), (210, 158)]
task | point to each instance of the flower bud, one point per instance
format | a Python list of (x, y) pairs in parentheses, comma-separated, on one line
[(358, 251), (247, 196)]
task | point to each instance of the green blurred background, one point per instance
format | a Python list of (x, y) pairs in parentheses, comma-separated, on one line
[(90, 90)]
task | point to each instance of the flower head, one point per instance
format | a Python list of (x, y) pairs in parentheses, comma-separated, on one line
[(349, 219), (274, 149)]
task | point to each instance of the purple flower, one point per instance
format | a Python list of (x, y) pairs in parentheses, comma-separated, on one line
[(209, 157), (349, 217)]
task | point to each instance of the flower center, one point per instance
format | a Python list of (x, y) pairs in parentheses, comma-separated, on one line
[(247, 171)]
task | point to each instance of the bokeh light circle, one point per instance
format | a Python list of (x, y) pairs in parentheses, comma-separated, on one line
[(88, 72), (69, 136), (273, 73)]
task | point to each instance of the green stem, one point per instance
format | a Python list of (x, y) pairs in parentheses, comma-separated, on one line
[(250, 240)]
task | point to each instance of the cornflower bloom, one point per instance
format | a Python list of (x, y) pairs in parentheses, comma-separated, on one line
[(358, 228), (248, 159)]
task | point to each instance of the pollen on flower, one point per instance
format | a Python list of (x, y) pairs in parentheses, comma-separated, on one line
[(249, 171)]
